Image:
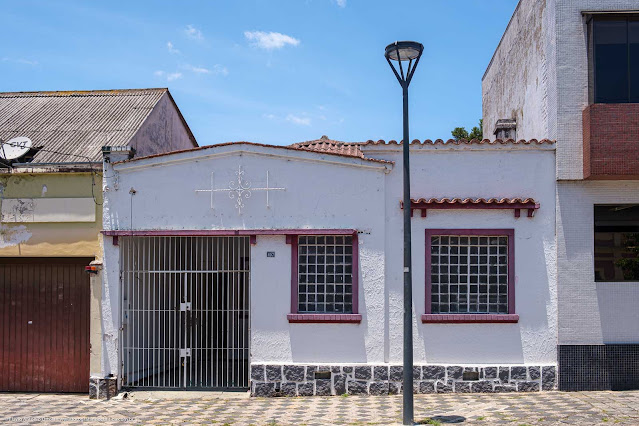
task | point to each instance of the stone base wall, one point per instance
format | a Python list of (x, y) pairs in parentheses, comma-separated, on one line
[(102, 388), (306, 380)]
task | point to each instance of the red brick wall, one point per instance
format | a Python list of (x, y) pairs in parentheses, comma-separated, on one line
[(611, 141)]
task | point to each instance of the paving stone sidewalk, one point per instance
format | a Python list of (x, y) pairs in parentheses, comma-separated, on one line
[(547, 408)]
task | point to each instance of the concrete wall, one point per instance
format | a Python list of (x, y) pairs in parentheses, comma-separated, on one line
[(591, 312), (539, 75), (515, 84), (324, 191), (162, 131), (51, 239)]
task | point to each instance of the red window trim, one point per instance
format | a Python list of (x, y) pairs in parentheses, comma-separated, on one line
[(296, 317), (429, 317), (324, 318), (469, 318)]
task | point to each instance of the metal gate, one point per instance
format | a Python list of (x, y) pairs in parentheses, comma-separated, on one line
[(185, 312), (44, 324)]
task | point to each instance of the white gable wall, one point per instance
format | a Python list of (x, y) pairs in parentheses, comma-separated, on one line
[(326, 193)]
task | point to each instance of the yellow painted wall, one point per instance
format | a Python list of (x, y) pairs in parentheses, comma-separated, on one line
[(51, 239)]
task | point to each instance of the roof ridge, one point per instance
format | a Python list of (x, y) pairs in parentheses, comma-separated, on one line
[(464, 142), (103, 92), (289, 147)]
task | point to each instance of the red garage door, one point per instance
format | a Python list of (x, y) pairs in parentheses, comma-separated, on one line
[(44, 324)]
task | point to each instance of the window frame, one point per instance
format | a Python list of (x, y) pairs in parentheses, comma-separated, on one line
[(594, 241), (510, 317), (296, 317), (592, 60)]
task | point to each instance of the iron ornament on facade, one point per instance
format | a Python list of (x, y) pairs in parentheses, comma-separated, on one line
[(240, 189)]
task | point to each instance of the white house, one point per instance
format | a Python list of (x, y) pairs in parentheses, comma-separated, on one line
[(279, 269)]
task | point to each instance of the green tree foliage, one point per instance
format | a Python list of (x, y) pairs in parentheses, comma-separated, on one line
[(460, 133), (475, 133), (630, 265)]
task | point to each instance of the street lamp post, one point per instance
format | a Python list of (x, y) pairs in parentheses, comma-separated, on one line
[(406, 51)]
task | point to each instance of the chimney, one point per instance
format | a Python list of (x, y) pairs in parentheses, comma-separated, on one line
[(506, 128)]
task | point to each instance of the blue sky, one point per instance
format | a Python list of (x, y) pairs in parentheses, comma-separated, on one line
[(269, 71)]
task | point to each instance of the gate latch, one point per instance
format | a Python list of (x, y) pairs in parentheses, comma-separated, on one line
[(185, 353), (185, 306)]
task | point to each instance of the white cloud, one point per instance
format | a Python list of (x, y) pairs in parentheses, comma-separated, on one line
[(216, 70), (199, 70), (219, 69), (172, 48), (270, 40), (168, 76), (302, 121), (21, 61), (269, 116), (341, 3), (194, 33)]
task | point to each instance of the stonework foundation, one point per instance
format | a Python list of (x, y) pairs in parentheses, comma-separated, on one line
[(268, 380), (102, 387)]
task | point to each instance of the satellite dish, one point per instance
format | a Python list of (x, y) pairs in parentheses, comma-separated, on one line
[(15, 148)]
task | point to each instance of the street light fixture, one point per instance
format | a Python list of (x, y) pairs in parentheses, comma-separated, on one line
[(406, 51)]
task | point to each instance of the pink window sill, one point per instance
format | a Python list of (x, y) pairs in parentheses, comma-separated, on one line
[(325, 318), (468, 318)]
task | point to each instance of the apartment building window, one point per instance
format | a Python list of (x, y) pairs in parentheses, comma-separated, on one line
[(617, 242), (615, 58)]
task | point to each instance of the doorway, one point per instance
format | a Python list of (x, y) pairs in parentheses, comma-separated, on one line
[(185, 312)]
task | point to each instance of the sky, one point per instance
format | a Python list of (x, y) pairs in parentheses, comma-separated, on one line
[(267, 71)]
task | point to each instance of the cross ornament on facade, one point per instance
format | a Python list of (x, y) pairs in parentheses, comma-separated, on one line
[(240, 189)]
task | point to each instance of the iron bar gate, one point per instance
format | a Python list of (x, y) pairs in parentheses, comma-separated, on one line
[(185, 312)]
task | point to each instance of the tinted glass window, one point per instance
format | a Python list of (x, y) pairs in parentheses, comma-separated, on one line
[(611, 61), (633, 40), (617, 243)]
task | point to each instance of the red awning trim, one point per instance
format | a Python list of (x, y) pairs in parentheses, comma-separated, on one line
[(515, 204)]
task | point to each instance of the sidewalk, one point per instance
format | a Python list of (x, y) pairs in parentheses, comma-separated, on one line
[(547, 408)]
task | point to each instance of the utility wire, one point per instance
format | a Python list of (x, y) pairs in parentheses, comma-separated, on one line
[(93, 172)]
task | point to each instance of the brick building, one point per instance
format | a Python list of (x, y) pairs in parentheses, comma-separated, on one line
[(569, 70)]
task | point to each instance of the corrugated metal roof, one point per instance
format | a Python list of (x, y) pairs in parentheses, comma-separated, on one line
[(75, 124)]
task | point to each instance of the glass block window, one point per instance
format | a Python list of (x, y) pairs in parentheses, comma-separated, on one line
[(469, 274), (325, 274)]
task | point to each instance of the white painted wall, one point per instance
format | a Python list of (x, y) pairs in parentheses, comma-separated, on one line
[(322, 191), (325, 191), (591, 312), (507, 171)]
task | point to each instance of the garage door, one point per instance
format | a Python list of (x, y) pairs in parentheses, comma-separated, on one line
[(44, 324)]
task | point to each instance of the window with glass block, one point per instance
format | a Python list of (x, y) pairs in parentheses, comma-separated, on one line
[(325, 274), (469, 274)]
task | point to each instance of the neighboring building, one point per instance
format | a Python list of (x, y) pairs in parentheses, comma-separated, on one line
[(279, 269), (51, 215), (569, 71)]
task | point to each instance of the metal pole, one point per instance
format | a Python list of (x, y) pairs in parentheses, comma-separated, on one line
[(408, 282)]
